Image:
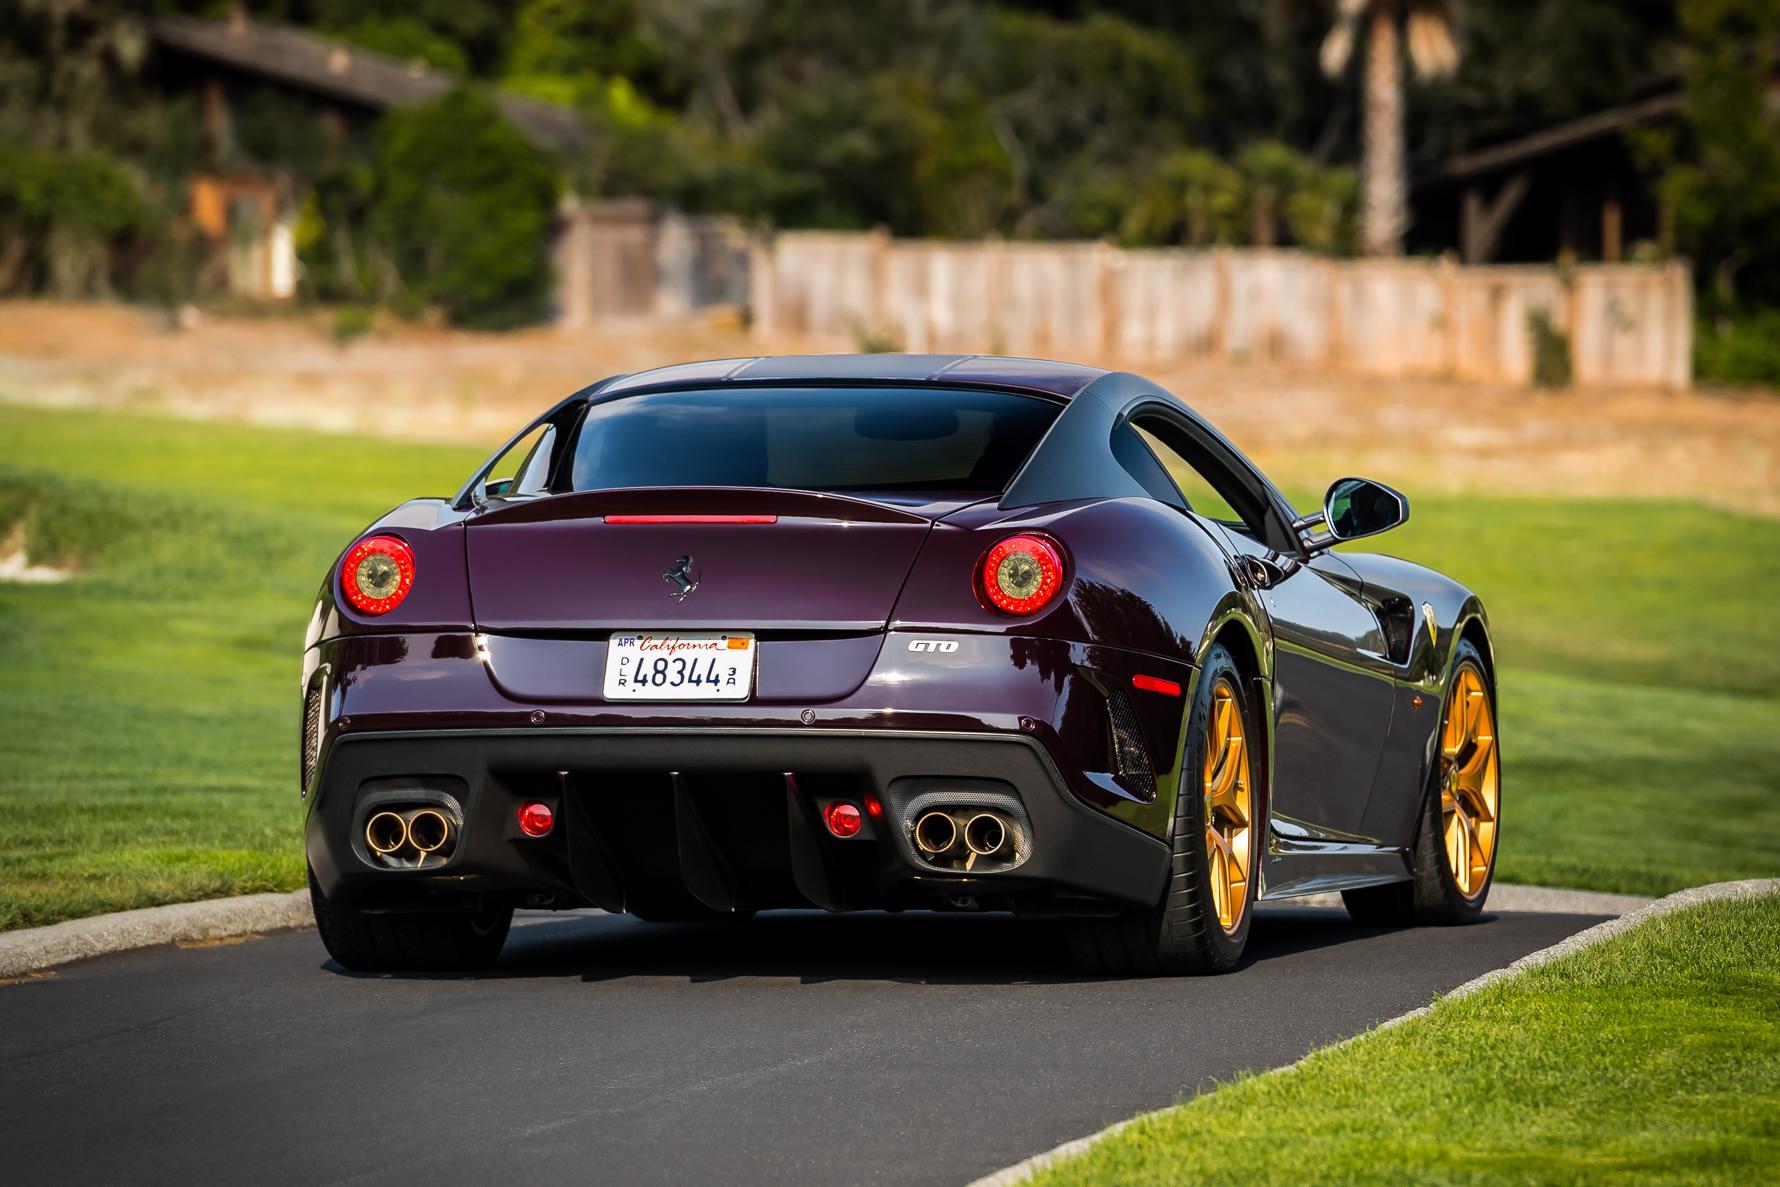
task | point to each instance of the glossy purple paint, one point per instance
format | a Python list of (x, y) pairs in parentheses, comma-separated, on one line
[(505, 636)]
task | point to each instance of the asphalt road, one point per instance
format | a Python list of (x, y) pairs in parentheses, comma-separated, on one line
[(796, 1048)]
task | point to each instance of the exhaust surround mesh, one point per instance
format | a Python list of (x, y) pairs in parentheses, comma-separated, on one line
[(312, 702), (1131, 757)]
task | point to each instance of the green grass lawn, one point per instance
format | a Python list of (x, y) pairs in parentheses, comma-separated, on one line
[(149, 751), (1651, 1058)]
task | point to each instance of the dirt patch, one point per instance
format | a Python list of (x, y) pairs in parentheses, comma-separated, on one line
[(16, 567), (1302, 426)]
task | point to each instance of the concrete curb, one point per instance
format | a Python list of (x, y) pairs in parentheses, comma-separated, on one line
[(40, 947), (1020, 1172), (100, 935), (1511, 896)]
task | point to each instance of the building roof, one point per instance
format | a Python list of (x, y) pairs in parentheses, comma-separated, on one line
[(1595, 126), (347, 74), (1057, 379)]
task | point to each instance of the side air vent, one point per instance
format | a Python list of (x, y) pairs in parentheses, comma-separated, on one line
[(1131, 757), (312, 703), (1396, 619)]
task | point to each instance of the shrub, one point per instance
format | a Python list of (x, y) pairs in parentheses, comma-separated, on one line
[(1323, 209), (1740, 349), (464, 206), (876, 341), (1551, 351), (352, 322), (63, 217)]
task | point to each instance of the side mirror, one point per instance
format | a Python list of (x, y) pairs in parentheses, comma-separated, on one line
[(1357, 507)]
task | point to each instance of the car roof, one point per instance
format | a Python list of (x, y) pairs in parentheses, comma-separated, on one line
[(977, 370)]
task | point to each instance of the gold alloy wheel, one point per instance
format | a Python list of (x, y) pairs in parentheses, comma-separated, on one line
[(1469, 782), (1229, 850)]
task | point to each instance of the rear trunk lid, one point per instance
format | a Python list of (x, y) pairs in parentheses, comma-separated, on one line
[(695, 559)]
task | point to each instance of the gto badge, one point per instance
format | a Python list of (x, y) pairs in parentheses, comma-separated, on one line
[(683, 577), (943, 646)]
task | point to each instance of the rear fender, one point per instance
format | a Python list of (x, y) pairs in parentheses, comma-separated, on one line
[(440, 598), (1140, 576)]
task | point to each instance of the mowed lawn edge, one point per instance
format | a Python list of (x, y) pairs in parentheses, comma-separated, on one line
[(1650, 1057), (152, 702)]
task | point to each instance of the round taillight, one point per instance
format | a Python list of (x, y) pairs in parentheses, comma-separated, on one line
[(842, 818), (1022, 574), (377, 574), (536, 819)]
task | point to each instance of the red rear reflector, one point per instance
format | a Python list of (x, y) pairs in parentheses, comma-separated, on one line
[(692, 519), (874, 805), (842, 818), (1156, 684), (536, 819)]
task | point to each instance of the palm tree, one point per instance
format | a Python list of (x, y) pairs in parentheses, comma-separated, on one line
[(1433, 53)]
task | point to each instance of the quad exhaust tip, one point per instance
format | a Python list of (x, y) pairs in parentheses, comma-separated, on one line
[(985, 835), (409, 835), (936, 832), (959, 838), (386, 832), (428, 830)]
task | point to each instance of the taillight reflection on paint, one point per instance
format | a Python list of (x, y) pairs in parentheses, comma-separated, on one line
[(1022, 574), (377, 574)]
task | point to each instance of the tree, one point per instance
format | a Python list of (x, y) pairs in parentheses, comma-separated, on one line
[(1193, 198), (1427, 27), (1721, 164), (464, 205), (1271, 172)]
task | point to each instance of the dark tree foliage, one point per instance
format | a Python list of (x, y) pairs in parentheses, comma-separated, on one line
[(462, 207), (1152, 121)]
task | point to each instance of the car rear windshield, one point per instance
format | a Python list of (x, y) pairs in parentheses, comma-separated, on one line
[(820, 439)]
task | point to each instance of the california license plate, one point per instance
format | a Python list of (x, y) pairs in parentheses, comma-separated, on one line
[(674, 666)]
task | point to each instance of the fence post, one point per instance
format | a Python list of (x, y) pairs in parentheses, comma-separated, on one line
[(1106, 259), (1450, 344), (762, 287), (1220, 304), (1679, 308), (879, 238), (995, 293)]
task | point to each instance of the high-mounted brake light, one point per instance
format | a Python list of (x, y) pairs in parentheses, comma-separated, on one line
[(692, 519), (377, 574), (1022, 574)]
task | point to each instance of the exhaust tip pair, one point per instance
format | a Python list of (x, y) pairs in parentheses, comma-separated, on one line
[(424, 830), (983, 834)]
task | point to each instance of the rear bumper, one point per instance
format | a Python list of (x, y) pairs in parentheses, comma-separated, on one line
[(650, 818)]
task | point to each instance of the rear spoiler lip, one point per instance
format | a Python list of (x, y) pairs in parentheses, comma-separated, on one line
[(751, 503)]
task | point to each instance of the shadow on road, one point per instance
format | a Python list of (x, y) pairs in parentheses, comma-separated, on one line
[(920, 948)]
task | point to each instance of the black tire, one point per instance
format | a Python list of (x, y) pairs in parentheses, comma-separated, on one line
[(1181, 935), (460, 940), (1432, 897)]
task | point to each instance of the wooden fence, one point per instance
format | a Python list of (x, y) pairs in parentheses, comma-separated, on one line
[(628, 260), (1627, 324)]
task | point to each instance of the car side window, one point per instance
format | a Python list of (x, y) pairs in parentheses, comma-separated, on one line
[(525, 468), (1202, 497), (1140, 461)]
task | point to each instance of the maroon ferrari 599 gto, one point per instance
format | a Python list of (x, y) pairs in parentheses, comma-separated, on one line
[(887, 632)]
